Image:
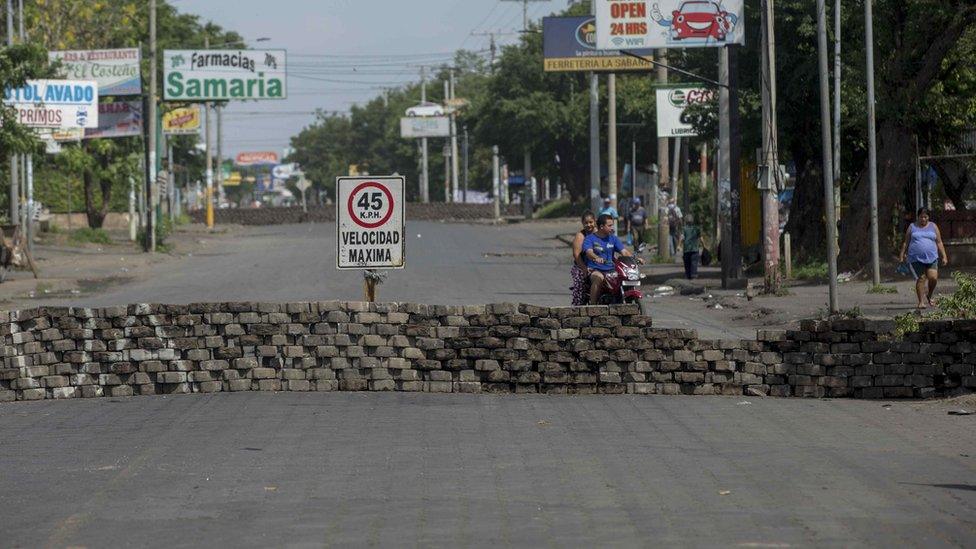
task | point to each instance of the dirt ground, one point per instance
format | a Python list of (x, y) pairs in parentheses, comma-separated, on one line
[(69, 269)]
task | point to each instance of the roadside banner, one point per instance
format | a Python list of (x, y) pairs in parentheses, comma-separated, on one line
[(283, 171), (671, 105), (370, 231), (209, 75), (115, 71), (55, 103), (569, 45), (260, 158), (182, 121), (633, 24), (425, 126), (118, 119)]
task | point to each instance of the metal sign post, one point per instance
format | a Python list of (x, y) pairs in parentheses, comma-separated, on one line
[(370, 231)]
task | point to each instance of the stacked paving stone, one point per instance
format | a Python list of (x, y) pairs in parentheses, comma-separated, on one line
[(415, 211), (502, 348)]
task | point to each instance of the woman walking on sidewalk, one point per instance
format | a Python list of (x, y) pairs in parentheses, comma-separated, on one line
[(581, 276), (923, 244)]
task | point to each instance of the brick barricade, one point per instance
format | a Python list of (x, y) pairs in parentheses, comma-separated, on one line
[(150, 349), (415, 212)]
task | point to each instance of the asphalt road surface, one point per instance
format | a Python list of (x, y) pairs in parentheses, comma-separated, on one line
[(447, 263), (356, 469)]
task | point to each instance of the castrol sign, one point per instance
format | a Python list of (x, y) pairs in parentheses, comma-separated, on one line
[(672, 118), (370, 231)]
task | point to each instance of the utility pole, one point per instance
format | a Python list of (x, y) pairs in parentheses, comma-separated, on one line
[(424, 175), (464, 193), (685, 193), (724, 166), (837, 70), (735, 175), (455, 159), (528, 188), (447, 173), (153, 195), (14, 162), (171, 179), (492, 45), (594, 141), (209, 152), (594, 135), (872, 145), (633, 169), (663, 238), (827, 168), (448, 196), (496, 181), (612, 138), (525, 12), (219, 176), (769, 180)]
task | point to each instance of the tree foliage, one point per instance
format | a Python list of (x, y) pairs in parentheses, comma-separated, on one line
[(94, 175)]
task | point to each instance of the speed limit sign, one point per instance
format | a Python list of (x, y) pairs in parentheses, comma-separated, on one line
[(370, 222)]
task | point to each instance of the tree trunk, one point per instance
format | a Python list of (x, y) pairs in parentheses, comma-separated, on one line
[(896, 184), (808, 232), (96, 212)]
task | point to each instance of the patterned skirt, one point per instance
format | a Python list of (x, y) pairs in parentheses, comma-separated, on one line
[(581, 286)]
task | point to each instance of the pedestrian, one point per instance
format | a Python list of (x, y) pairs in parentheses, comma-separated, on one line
[(922, 248), (674, 224), (580, 273), (608, 209), (692, 246), (637, 222)]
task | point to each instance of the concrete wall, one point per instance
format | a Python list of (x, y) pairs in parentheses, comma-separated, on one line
[(414, 211), (502, 348), (113, 220)]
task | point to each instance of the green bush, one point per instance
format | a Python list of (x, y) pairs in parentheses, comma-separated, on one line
[(163, 229), (86, 235), (960, 304), (811, 271)]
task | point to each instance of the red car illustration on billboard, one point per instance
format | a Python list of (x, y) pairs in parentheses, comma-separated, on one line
[(700, 19)]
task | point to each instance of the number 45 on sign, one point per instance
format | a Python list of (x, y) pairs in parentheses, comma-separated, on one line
[(370, 222)]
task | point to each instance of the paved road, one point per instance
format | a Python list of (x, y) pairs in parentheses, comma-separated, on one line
[(339, 469), (447, 263)]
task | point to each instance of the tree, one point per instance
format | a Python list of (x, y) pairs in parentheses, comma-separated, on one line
[(105, 165)]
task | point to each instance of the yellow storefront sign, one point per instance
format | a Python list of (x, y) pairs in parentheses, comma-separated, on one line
[(182, 121)]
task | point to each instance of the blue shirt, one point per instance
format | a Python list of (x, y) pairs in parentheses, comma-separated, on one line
[(611, 211), (922, 247), (610, 245)]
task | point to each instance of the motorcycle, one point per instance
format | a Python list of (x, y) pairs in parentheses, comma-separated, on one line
[(624, 282)]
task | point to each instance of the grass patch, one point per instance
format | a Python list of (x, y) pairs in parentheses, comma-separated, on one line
[(90, 236), (882, 289), (810, 271)]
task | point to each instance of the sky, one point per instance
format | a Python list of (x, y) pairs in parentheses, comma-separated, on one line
[(342, 52)]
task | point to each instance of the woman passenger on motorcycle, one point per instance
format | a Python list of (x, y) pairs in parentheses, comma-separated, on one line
[(580, 274), (599, 249)]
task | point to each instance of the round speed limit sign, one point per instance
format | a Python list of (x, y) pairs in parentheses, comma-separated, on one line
[(370, 205), (370, 228)]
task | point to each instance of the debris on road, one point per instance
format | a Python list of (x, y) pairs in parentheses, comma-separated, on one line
[(960, 412)]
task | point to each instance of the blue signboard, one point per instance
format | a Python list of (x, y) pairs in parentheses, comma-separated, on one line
[(569, 45)]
